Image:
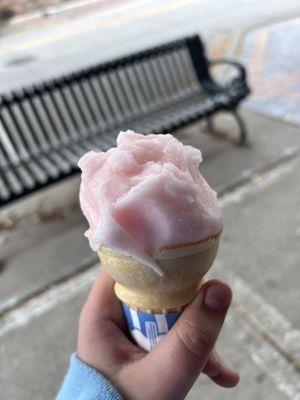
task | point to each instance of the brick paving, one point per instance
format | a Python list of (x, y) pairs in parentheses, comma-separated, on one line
[(272, 56)]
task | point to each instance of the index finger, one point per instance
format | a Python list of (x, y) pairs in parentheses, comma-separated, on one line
[(102, 303)]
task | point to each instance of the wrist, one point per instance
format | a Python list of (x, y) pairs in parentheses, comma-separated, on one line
[(83, 381)]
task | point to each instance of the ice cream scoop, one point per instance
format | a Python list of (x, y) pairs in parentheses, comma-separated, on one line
[(145, 195)]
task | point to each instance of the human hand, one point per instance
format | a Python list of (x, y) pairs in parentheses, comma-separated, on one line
[(169, 371)]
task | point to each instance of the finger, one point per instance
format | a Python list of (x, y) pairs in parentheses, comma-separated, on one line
[(228, 378), (102, 303), (102, 317), (183, 353), (220, 372), (102, 327)]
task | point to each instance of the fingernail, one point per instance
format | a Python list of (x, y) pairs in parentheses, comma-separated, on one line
[(217, 297)]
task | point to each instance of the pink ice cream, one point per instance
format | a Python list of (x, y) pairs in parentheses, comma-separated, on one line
[(145, 195)]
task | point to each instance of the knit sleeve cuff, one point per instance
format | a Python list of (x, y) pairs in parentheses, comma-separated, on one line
[(84, 383)]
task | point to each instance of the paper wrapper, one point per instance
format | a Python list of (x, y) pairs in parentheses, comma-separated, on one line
[(152, 303)]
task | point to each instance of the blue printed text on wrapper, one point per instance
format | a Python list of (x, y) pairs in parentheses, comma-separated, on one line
[(148, 329)]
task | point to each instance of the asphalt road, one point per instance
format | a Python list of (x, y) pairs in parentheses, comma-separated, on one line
[(46, 52)]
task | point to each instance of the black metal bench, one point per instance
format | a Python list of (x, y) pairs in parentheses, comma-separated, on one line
[(44, 129)]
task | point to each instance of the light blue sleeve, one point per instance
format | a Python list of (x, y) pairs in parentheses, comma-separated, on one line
[(84, 383)]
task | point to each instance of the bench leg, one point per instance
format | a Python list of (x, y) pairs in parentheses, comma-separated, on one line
[(242, 127), (243, 136), (210, 124)]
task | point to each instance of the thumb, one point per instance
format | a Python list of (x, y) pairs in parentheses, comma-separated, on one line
[(183, 353)]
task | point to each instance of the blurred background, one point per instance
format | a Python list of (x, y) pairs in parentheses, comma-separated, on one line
[(46, 266)]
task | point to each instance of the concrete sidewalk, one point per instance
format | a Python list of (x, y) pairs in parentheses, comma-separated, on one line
[(259, 257)]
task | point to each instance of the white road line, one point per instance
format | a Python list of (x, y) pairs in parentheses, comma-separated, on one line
[(265, 356), (47, 301)]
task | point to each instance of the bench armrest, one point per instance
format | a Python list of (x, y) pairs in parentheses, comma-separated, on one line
[(241, 69)]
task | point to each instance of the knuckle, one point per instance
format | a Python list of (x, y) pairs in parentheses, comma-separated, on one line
[(213, 366), (195, 338)]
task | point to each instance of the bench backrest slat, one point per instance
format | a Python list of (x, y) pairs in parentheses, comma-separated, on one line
[(45, 127), (8, 153), (15, 138)]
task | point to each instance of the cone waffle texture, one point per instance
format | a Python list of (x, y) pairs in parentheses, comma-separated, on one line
[(141, 288)]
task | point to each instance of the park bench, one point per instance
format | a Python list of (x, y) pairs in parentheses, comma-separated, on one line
[(45, 128)]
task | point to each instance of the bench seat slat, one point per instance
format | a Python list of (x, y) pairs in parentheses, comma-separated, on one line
[(59, 159), (13, 181), (49, 166), (37, 172)]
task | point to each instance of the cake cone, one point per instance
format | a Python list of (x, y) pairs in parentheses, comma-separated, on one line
[(143, 291)]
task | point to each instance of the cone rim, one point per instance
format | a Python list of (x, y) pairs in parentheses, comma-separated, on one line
[(176, 251)]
